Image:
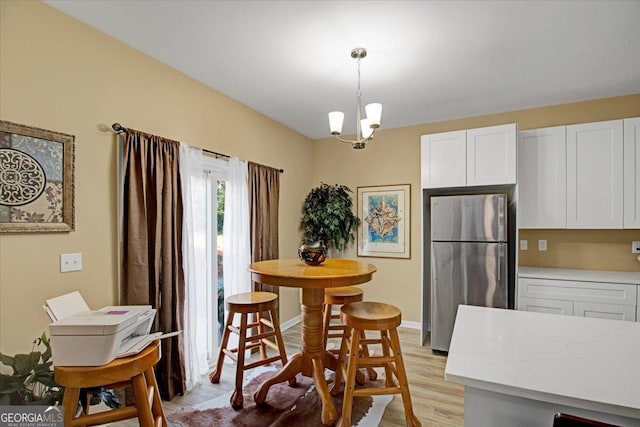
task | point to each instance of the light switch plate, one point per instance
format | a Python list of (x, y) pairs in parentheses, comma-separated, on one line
[(542, 245), (635, 247), (524, 245), (70, 262)]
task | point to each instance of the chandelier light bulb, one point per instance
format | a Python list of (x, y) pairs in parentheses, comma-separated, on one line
[(367, 129), (374, 114), (335, 122)]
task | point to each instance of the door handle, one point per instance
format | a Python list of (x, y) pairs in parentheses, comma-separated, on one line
[(500, 256), (500, 219)]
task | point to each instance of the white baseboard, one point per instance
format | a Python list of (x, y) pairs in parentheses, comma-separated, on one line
[(290, 323), (411, 325)]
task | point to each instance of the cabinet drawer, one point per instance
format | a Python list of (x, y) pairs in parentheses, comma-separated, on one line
[(604, 311), (541, 305), (594, 292)]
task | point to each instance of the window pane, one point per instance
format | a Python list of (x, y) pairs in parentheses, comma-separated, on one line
[(220, 282), (199, 205)]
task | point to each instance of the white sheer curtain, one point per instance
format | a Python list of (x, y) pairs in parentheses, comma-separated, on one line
[(199, 176), (194, 254), (236, 247)]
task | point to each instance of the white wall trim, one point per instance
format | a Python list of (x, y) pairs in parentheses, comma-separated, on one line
[(290, 323), (411, 325)]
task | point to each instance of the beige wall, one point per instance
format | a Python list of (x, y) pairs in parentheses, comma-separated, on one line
[(585, 249), (58, 74), (394, 158)]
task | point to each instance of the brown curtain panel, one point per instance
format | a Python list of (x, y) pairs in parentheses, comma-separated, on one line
[(264, 195), (152, 245)]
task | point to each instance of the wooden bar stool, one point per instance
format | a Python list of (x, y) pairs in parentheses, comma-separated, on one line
[(136, 370), (244, 304), (373, 316), (341, 296)]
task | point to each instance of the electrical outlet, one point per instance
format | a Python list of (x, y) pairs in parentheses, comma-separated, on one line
[(70, 262), (542, 245), (635, 247), (524, 245)]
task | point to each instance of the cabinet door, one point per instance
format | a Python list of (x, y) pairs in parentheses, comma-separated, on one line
[(632, 173), (542, 178), (541, 305), (594, 175), (604, 311), (571, 290), (491, 155), (444, 160)]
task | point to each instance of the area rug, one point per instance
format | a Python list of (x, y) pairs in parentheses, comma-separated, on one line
[(298, 406)]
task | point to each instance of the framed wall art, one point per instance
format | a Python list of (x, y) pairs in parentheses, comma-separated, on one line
[(36, 179), (385, 221)]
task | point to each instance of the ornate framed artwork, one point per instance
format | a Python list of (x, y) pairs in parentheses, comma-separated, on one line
[(385, 221), (36, 179)]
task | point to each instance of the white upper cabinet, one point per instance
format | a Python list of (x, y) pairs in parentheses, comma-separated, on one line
[(491, 155), (484, 156), (632, 173), (444, 159), (542, 178), (594, 175)]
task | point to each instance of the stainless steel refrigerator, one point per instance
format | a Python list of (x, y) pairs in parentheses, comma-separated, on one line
[(468, 258)]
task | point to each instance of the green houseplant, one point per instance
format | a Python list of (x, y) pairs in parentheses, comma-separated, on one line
[(32, 380), (327, 216)]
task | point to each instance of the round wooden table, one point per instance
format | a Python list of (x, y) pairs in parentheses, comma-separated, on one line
[(312, 280)]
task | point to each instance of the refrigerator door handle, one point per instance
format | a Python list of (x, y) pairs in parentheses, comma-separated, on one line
[(501, 219), (500, 256)]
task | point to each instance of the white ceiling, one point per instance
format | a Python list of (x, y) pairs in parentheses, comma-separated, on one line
[(428, 60)]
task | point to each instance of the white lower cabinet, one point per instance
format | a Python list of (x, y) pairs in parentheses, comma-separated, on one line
[(541, 305), (589, 295), (604, 311)]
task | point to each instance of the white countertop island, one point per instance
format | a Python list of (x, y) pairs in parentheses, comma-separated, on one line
[(520, 368)]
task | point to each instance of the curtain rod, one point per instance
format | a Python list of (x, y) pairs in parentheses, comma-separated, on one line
[(118, 128)]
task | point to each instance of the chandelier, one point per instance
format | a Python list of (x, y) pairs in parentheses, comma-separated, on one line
[(364, 127)]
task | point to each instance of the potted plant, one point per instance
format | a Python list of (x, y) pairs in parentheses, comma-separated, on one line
[(32, 381), (327, 218)]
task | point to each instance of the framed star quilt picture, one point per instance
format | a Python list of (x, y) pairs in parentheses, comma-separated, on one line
[(385, 221)]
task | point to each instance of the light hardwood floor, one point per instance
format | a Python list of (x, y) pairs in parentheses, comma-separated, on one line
[(436, 402)]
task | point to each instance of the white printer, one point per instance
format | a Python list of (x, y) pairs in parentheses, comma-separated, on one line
[(82, 337)]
